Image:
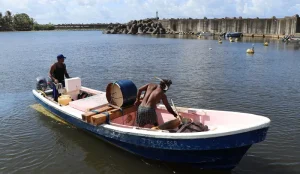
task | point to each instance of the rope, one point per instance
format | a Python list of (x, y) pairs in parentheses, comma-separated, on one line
[(107, 117), (42, 92), (122, 115), (95, 111), (136, 115)]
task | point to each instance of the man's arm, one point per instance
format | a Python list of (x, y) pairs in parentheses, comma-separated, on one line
[(52, 68), (166, 103), (141, 89), (66, 73)]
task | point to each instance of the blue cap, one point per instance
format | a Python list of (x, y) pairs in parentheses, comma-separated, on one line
[(60, 56)]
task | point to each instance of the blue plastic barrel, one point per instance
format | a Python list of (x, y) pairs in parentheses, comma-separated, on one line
[(121, 93)]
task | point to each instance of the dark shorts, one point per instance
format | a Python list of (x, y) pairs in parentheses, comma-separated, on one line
[(146, 115)]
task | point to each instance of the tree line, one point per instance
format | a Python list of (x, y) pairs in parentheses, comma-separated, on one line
[(21, 22)]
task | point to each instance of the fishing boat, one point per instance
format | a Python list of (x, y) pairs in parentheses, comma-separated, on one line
[(110, 115), (291, 38), (206, 33), (294, 39), (234, 34)]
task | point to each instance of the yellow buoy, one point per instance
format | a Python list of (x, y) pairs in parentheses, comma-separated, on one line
[(266, 44), (250, 50), (220, 41), (236, 39), (230, 39)]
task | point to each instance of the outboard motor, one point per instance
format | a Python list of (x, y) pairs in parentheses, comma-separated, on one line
[(41, 83), (50, 83)]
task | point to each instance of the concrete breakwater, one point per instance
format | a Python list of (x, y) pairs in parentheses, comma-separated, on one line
[(249, 27), (145, 26)]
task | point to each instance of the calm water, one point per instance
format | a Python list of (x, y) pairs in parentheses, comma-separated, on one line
[(223, 78)]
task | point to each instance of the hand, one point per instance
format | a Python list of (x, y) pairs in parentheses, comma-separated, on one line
[(56, 81), (137, 102)]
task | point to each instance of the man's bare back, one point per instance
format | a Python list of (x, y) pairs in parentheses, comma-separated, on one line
[(152, 96)]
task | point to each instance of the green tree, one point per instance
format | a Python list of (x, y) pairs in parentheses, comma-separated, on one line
[(37, 26), (7, 21), (1, 22), (22, 22)]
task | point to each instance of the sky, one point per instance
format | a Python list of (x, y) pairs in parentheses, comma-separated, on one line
[(106, 11)]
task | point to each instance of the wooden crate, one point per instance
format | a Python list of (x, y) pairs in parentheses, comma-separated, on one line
[(113, 113), (87, 115)]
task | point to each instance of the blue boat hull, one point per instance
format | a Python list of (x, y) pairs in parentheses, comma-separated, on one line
[(206, 159), (209, 153)]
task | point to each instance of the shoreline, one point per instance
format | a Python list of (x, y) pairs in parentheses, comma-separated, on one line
[(179, 33)]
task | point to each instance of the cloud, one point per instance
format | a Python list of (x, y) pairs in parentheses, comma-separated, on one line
[(105, 11)]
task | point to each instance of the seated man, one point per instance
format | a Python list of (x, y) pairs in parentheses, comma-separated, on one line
[(153, 94)]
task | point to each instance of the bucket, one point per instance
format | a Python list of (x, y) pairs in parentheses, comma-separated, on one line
[(121, 93)]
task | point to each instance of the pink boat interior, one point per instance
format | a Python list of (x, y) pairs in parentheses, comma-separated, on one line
[(215, 120)]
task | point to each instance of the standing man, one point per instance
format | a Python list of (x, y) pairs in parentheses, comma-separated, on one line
[(153, 94), (58, 72)]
